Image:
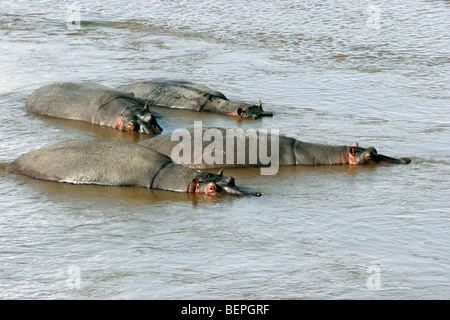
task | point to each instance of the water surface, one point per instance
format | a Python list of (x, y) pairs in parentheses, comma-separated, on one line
[(332, 72)]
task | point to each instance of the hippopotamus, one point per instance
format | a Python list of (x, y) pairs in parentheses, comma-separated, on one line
[(113, 162), (94, 103), (181, 94), (236, 148)]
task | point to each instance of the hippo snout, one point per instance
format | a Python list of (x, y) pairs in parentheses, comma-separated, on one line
[(266, 114), (405, 160), (244, 110), (257, 111), (150, 128), (215, 184), (358, 155), (379, 158), (156, 128)]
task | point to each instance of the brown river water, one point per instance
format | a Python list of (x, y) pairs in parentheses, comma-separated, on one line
[(331, 72)]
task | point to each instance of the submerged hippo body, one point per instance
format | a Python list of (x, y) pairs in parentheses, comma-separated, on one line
[(182, 94), (247, 153), (94, 103), (116, 163)]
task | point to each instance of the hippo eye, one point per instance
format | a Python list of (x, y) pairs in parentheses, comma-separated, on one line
[(211, 188), (131, 126)]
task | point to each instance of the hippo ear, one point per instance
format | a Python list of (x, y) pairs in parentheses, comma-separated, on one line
[(259, 104), (220, 173), (352, 151), (194, 185), (146, 105), (355, 144)]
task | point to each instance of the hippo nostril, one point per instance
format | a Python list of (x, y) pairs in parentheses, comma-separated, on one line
[(240, 112)]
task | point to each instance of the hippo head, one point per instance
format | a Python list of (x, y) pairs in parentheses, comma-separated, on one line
[(139, 121), (245, 110), (146, 122), (358, 155), (214, 184)]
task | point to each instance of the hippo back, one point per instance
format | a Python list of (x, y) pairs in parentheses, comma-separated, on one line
[(173, 93), (75, 100), (250, 146), (98, 161)]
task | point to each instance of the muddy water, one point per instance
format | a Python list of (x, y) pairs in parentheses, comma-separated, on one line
[(375, 72)]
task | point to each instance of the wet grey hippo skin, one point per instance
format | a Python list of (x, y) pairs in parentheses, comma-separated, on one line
[(188, 95), (94, 103), (116, 163), (291, 151)]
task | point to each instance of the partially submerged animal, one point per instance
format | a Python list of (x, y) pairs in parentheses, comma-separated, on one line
[(183, 94), (116, 163), (93, 103), (235, 148)]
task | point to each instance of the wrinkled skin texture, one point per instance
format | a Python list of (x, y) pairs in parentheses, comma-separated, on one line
[(116, 163), (291, 152), (93, 103), (182, 94)]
